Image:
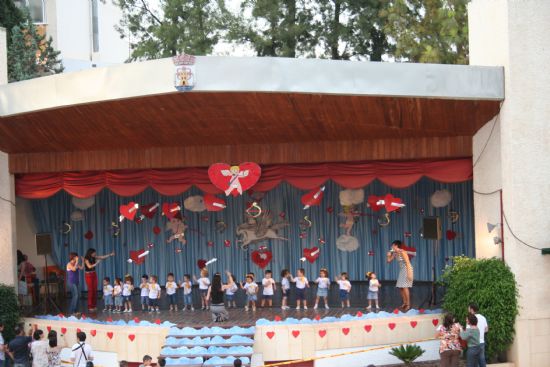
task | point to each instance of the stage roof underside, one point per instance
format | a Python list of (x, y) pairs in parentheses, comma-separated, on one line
[(267, 110)]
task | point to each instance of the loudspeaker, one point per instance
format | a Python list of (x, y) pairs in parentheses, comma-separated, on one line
[(43, 243), (431, 228)]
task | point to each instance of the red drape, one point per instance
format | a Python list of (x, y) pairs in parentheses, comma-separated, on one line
[(169, 182)]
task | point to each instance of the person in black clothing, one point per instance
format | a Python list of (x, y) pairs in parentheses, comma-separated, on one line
[(215, 295), (237, 363), (18, 348)]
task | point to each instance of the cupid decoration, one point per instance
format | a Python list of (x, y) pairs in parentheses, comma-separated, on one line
[(234, 180)]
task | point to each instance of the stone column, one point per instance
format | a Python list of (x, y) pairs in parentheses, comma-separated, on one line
[(514, 34), (8, 262)]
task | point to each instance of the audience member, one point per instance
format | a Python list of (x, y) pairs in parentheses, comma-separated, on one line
[(39, 347), (147, 361), (81, 352), (18, 348), (237, 363)]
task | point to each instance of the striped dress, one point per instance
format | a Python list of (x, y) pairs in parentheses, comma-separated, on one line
[(402, 281)]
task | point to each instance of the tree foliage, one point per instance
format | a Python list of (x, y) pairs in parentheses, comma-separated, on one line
[(9, 310), (30, 54), (491, 285), (10, 16)]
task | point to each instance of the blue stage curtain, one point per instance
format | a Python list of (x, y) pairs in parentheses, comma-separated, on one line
[(49, 214)]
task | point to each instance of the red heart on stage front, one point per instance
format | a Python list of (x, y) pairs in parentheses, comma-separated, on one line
[(63, 330), (128, 211), (345, 330), (391, 325), (60, 315), (261, 258), (270, 334), (170, 210), (136, 320), (134, 256), (413, 324), (435, 322), (313, 198), (83, 317), (234, 180), (422, 310), (311, 254), (201, 263), (93, 332), (396, 311), (149, 210), (78, 330), (295, 333), (322, 333), (131, 337), (317, 317), (110, 334), (157, 321), (49, 328), (213, 203), (277, 318), (368, 328), (109, 319), (372, 201), (359, 314), (392, 203)]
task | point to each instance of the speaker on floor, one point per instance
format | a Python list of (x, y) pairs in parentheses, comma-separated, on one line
[(431, 228), (43, 243)]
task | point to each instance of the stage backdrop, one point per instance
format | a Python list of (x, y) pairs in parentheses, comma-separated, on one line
[(282, 201)]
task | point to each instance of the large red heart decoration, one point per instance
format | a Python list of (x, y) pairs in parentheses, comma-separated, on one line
[(270, 334), (134, 256), (261, 258), (131, 337), (450, 235), (391, 325), (413, 324), (128, 211), (345, 330), (295, 333), (311, 254), (93, 332), (435, 322), (63, 330), (149, 210), (372, 202), (171, 210), (368, 328), (313, 198), (110, 334), (49, 328), (234, 180), (213, 203), (201, 263), (322, 333), (392, 203)]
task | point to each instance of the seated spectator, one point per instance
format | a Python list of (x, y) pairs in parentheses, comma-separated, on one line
[(123, 364), (147, 361), (161, 361), (237, 363)]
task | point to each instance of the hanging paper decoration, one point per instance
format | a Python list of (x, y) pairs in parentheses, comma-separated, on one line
[(205, 218), (83, 203), (347, 243), (179, 250), (89, 235), (373, 203), (150, 245), (115, 229), (177, 226), (128, 211), (371, 253), (350, 215), (149, 210), (211, 261), (77, 216), (313, 198), (210, 243), (302, 235), (259, 229), (65, 228), (261, 257), (156, 230), (305, 223), (330, 209), (351, 197), (408, 234), (253, 210), (221, 226), (213, 203), (441, 198), (138, 257), (454, 216), (234, 180), (282, 215), (201, 263), (450, 235), (194, 203), (411, 251), (388, 201), (321, 241), (184, 72), (311, 254), (227, 243), (171, 210)]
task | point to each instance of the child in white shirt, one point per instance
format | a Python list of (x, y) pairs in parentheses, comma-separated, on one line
[(204, 284), (374, 286), (301, 284), (323, 285), (144, 286), (171, 289), (107, 294), (117, 294), (345, 288), (187, 286), (285, 287), (230, 292), (251, 289), (154, 294), (127, 289), (269, 287)]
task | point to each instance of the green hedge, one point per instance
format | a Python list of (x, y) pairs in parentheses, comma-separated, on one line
[(9, 310), (491, 285)]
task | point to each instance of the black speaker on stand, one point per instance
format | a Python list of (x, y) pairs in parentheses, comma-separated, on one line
[(431, 231), (44, 247)]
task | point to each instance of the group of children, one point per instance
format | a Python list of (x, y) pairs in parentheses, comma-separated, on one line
[(118, 297)]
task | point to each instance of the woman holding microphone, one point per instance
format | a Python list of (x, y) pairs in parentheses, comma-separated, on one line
[(406, 272), (91, 260)]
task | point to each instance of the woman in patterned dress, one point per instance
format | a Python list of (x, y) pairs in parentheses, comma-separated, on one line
[(54, 350), (406, 271)]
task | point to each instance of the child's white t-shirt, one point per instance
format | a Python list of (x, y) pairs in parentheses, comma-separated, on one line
[(300, 282), (204, 283), (127, 290), (285, 284), (144, 289), (344, 284), (268, 286), (187, 287), (323, 283), (373, 285), (171, 287), (117, 290), (232, 290), (250, 288), (154, 290), (108, 290)]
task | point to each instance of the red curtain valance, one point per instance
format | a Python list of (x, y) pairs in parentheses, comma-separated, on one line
[(171, 182)]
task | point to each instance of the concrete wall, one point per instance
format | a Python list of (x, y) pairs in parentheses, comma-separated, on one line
[(513, 33), (7, 224), (3, 57)]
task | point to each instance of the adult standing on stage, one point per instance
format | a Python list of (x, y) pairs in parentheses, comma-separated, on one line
[(73, 268), (406, 272), (91, 260)]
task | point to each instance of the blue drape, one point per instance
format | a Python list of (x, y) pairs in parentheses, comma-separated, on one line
[(49, 214)]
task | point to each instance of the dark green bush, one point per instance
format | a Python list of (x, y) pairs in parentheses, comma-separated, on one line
[(407, 353), (491, 285), (9, 310)]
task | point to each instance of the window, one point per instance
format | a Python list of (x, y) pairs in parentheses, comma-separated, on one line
[(95, 27), (36, 9)]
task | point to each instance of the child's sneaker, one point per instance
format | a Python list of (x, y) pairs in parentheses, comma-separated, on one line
[(369, 308), (305, 307), (246, 308), (297, 307), (326, 306), (158, 310), (315, 307), (192, 308)]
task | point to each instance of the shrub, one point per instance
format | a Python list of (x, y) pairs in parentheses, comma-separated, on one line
[(9, 310), (491, 285), (407, 353)]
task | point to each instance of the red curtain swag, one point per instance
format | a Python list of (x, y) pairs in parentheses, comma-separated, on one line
[(172, 182)]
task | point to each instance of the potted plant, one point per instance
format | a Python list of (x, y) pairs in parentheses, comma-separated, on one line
[(407, 353)]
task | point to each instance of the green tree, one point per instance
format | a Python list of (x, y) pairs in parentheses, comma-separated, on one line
[(30, 54), (275, 27), (10, 16), (171, 27), (431, 31)]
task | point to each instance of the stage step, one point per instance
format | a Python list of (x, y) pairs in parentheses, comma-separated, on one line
[(208, 346)]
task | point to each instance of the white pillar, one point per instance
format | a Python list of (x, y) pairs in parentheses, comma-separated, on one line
[(514, 34), (3, 57), (8, 256)]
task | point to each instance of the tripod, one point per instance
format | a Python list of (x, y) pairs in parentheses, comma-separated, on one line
[(48, 301), (433, 292)]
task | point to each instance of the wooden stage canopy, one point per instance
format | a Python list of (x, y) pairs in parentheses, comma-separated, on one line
[(268, 110)]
